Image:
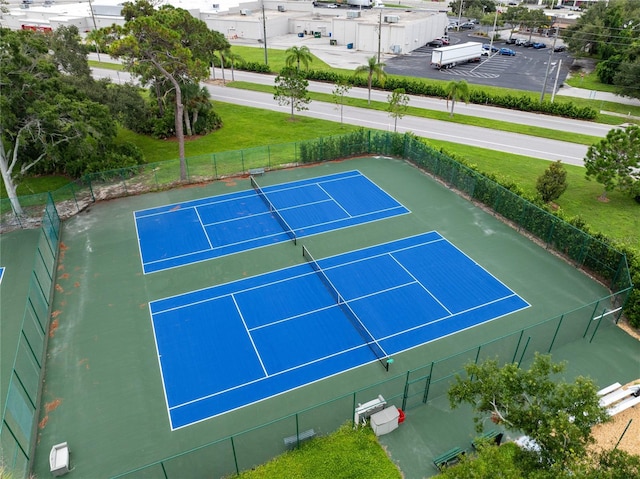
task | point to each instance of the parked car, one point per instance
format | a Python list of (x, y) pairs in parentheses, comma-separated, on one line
[(435, 43), (510, 41), (539, 45), (508, 52), (332, 5), (559, 48), (520, 42), (467, 26), (494, 49), (444, 40), (527, 44)]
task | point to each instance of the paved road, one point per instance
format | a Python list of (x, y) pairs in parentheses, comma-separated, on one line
[(542, 148)]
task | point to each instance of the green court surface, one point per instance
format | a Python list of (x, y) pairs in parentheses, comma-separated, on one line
[(103, 392), (17, 255)]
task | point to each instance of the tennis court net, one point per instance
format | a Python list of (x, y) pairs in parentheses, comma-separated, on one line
[(274, 211), (348, 311)]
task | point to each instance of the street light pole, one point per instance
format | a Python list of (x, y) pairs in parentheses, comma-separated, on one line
[(459, 15)]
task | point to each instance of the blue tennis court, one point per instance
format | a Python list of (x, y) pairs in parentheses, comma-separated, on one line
[(228, 346), (179, 234)]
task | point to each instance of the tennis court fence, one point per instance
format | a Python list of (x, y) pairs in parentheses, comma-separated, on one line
[(21, 406), (407, 390), (584, 250)]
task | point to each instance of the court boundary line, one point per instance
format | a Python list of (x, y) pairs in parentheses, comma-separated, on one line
[(346, 302), (423, 286), (249, 335), (250, 193), (228, 283), (279, 373)]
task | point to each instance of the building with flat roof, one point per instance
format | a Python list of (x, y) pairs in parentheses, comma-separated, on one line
[(390, 30)]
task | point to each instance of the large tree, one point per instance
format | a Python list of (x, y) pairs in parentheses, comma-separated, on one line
[(164, 45), (557, 416), (291, 89), (47, 124), (614, 162), (370, 69), (609, 32)]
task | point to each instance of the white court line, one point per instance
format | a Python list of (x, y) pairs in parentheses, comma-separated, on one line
[(282, 280), (334, 200), (360, 346), (444, 318), (255, 348), (155, 341), (184, 205), (204, 229), (186, 255), (295, 316), (421, 285)]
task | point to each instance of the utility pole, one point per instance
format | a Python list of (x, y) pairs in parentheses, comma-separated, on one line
[(546, 75), (264, 34), (459, 15), (493, 34), (379, 34), (95, 27)]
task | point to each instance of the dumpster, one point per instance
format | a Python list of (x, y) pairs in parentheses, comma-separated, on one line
[(317, 34), (301, 35), (350, 46), (333, 42)]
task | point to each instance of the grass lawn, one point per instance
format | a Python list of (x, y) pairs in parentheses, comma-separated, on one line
[(247, 127), (441, 115), (360, 457)]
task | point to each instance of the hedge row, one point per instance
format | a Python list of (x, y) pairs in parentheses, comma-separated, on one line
[(414, 86), (570, 236)]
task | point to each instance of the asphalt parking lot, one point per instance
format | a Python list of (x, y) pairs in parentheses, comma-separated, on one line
[(524, 71)]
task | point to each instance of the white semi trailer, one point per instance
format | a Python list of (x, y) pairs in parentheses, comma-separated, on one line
[(448, 57), (360, 3)]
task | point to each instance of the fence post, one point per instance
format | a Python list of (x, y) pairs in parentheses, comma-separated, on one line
[(513, 360), (598, 325), (524, 350), (406, 392), (235, 457), (553, 340), (425, 397), (164, 472), (595, 308), (353, 417)]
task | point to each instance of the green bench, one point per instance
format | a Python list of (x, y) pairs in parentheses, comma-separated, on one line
[(450, 457), (493, 435)]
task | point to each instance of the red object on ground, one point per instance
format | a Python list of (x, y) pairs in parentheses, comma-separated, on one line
[(401, 417)]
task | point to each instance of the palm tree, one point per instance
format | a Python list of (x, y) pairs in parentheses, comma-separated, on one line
[(372, 68), (298, 55), (456, 90)]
